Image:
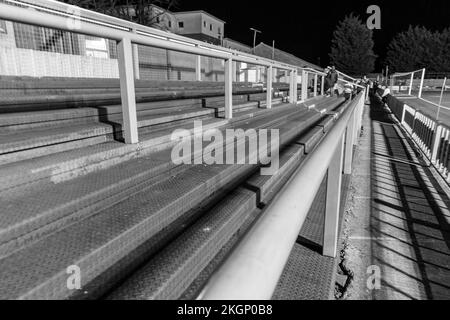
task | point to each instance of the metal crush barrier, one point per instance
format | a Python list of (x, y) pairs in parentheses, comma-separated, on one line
[(252, 270)]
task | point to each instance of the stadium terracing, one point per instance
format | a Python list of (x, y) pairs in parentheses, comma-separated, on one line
[(93, 205)]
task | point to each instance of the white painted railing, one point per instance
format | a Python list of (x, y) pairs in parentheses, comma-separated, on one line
[(53, 14), (254, 267), (431, 136)]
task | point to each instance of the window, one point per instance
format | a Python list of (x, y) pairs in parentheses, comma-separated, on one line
[(181, 24), (170, 24), (157, 19), (218, 30), (204, 24), (210, 26)]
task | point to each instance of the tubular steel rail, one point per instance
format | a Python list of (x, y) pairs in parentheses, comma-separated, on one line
[(255, 265), (53, 14)]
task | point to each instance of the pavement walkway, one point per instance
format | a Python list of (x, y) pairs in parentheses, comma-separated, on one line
[(397, 220)]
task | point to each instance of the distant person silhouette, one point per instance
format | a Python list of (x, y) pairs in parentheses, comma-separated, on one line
[(332, 79)]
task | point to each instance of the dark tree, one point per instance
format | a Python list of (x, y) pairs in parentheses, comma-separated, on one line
[(352, 47), (138, 11), (419, 48)]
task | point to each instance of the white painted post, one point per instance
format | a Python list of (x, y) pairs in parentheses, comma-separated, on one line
[(198, 68), (410, 84), (291, 86), (402, 120), (304, 95), (436, 142), (322, 86), (421, 83), (295, 91), (350, 142), (228, 88), (334, 182), (127, 91), (269, 87), (359, 117), (315, 85)]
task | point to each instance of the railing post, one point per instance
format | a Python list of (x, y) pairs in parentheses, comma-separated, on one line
[(315, 85), (334, 181), (304, 95), (359, 117), (292, 79), (295, 91), (322, 86), (269, 87), (436, 142), (127, 91), (350, 142), (198, 68), (402, 120), (228, 88)]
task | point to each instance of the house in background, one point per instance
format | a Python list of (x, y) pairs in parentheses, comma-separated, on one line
[(200, 25)]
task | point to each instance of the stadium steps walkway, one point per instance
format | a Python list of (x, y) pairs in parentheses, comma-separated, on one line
[(100, 238)]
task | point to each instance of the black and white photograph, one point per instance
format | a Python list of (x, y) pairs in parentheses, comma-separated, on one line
[(225, 156)]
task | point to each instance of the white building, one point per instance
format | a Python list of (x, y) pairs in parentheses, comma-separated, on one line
[(200, 25)]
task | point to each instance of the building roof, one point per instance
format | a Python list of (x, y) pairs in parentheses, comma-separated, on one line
[(199, 11), (264, 50), (238, 43)]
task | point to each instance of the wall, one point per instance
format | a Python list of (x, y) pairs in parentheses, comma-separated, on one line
[(216, 24), (192, 23)]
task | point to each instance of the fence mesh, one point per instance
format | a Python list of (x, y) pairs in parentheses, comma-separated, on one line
[(34, 51)]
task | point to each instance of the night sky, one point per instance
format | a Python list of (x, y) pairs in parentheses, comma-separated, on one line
[(305, 28)]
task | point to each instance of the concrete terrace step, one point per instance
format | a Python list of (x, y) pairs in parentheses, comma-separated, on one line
[(69, 200), (27, 144), (181, 269), (98, 242), (173, 270), (70, 164), (105, 114), (40, 101)]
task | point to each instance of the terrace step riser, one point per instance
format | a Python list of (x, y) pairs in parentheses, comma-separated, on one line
[(80, 208)]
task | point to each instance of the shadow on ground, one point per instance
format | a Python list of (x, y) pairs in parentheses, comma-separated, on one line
[(409, 222)]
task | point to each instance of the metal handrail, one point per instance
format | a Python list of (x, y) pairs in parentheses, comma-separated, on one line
[(102, 20), (52, 14), (253, 269)]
